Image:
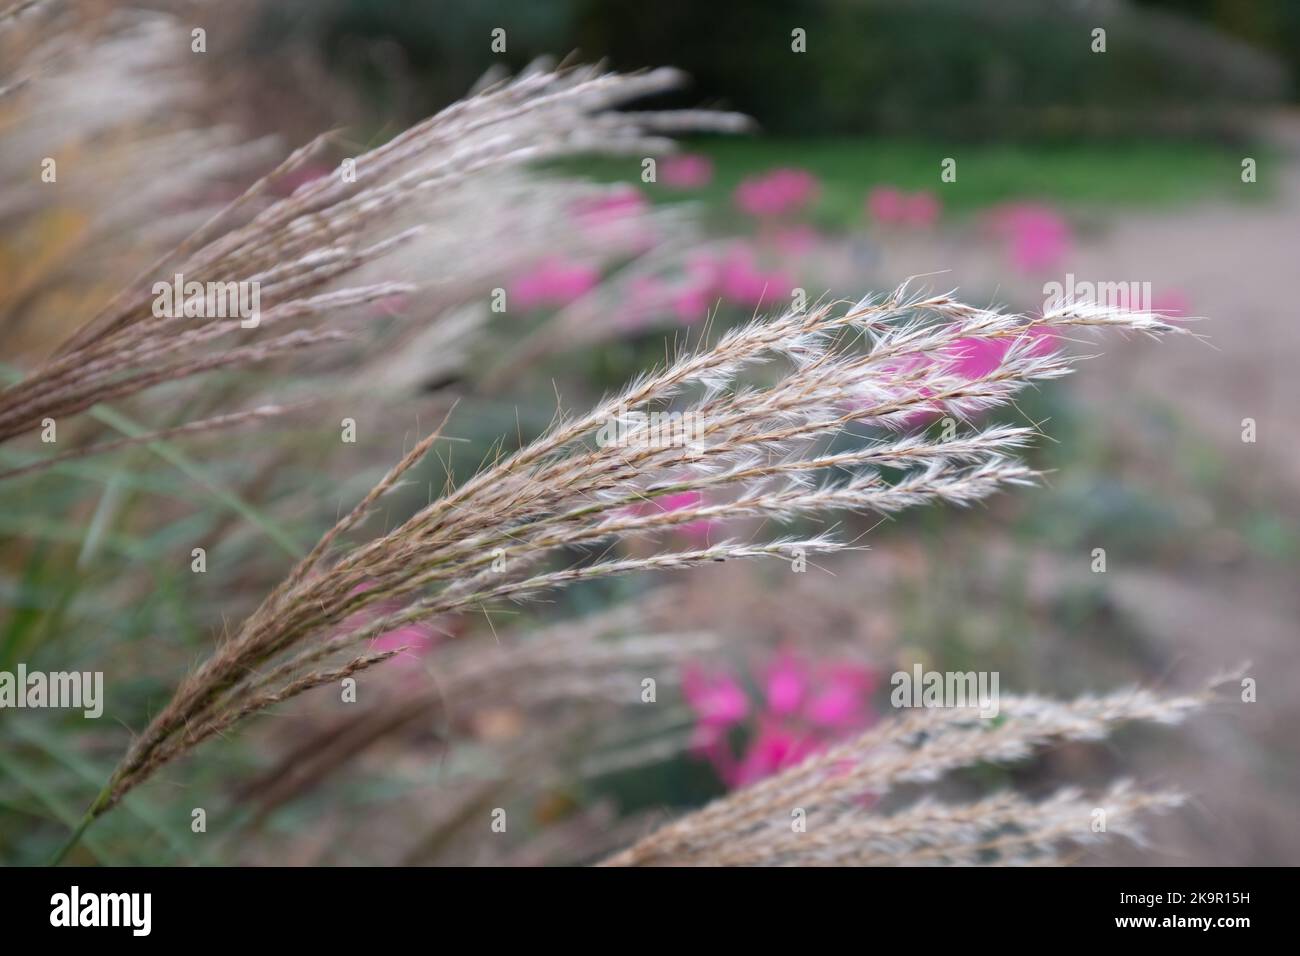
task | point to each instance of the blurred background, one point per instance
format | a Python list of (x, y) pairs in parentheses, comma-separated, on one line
[(1128, 165)]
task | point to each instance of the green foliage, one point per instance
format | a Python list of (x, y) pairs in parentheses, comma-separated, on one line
[(1136, 172), (940, 67)]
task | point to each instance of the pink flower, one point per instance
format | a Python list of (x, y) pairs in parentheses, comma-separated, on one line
[(703, 268), (414, 638), (976, 357), (804, 709), (795, 240), (774, 749), (717, 699), (691, 303), (887, 205), (841, 703), (616, 217), (650, 296), (778, 193), (553, 283), (923, 209), (1171, 303), (686, 171), (890, 206), (620, 203), (646, 295), (787, 683), (1038, 236), (743, 282), (735, 275), (698, 530), (972, 358)]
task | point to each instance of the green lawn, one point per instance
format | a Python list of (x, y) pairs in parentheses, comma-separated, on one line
[(1086, 174)]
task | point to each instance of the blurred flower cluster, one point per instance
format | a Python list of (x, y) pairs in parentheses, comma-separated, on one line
[(803, 705)]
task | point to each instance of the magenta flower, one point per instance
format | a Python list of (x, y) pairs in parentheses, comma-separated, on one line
[(703, 268), (887, 205), (650, 296), (735, 275), (923, 209), (620, 203), (976, 357), (773, 749), (646, 295), (890, 206), (786, 685), (416, 638), (1171, 303), (744, 282), (1038, 236), (616, 217), (804, 709), (841, 701), (690, 303), (697, 530), (718, 700), (778, 193), (973, 358), (686, 171), (553, 283), (796, 241)]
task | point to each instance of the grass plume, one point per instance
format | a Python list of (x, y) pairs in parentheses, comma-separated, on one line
[(876, 363)]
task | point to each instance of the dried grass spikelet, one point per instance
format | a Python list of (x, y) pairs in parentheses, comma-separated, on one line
[(583, 667), (755, 457), (487, 236), (752, 826), (234, 420), (1003, 829), (308, 252), (113, 97)]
